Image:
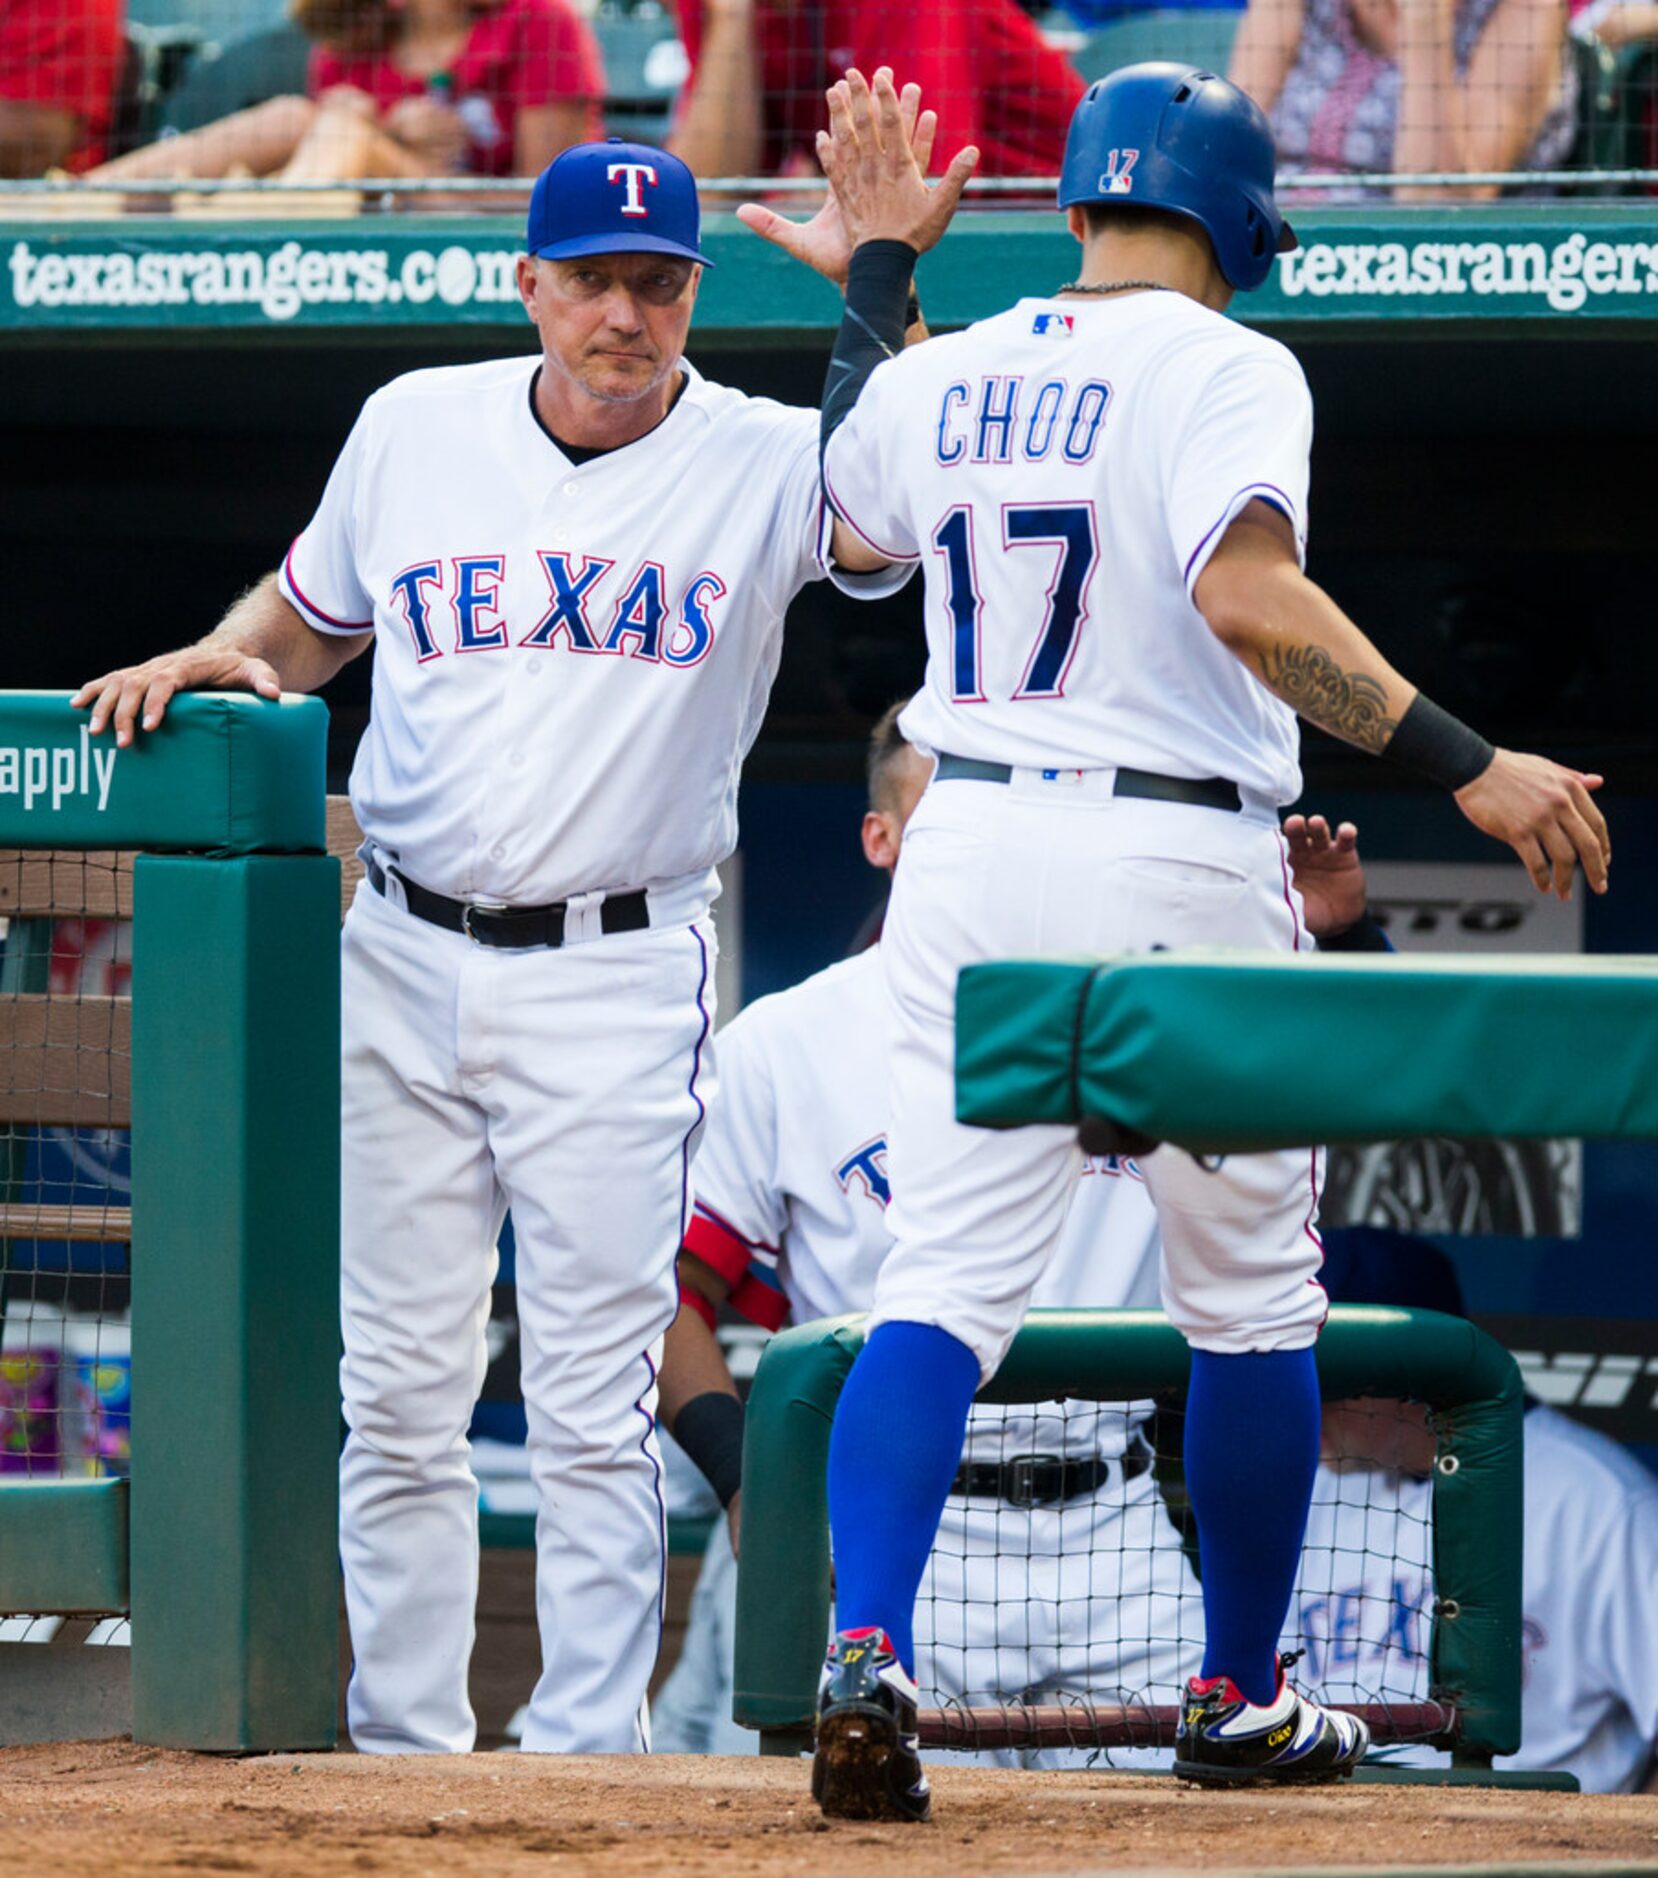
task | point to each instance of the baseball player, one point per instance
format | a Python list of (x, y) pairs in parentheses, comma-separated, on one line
[(1054, 1569), (1589, 1704), (573, 567), (1106, 487)]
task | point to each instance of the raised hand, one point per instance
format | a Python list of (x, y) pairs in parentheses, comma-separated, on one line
[(1546, 814), (881, 192), (1327, 871), (822, 243), (146, 689)]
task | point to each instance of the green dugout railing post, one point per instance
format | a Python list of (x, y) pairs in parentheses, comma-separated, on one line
[(1471, 1383), (223, 1545), (236, 1173)]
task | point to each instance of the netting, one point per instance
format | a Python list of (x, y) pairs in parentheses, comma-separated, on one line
[(65, 1164), (438, 103), (1065, 1629), (65, 1175)]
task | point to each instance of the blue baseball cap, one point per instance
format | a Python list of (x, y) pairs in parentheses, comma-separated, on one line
[(615, 198)]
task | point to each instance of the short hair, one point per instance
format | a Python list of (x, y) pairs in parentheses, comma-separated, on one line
[(1101, 217), (887, 746)]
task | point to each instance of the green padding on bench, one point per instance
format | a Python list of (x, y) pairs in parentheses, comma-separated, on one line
[(225, 773), (1228, 1052), (63, 1546)]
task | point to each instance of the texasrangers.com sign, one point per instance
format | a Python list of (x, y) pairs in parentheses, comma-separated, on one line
[(1547, 262)]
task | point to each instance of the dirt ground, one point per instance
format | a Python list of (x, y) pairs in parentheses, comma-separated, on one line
[(109, 1809)]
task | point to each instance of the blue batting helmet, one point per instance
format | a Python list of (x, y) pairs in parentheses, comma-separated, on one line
[(1174, 137)]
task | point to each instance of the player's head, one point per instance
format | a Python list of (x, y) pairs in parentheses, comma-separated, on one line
[(898, 775), (612, 267), (1379, 1265), (1178, 140)]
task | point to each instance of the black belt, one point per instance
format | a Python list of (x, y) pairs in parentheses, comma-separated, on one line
[(1202, 792), (1044, 1479), (511, 927)]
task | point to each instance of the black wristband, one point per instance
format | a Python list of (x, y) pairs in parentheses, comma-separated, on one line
[(872, 326), (710, 1429), (1364, 935), (1439, 746)]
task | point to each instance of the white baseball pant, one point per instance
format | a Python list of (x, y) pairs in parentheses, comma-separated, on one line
[(571, 1086), (1049, 869)]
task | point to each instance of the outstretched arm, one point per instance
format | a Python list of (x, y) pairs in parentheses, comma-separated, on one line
[(1300, 644), (261, 645)]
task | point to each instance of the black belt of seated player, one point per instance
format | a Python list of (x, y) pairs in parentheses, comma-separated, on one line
[(513, 928), (1045, 1479), (1202, 792)]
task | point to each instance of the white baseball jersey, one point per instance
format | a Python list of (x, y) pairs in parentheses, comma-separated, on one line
[(1590, 1596), (571, 659), (792, 1192), (791, 1178), (1066, 469)]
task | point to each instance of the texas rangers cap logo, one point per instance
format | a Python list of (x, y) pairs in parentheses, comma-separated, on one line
[(614, 198)]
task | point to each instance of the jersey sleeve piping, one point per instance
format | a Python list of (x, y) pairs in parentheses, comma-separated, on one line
[(315, 616), (1267, 492), (892, 554)]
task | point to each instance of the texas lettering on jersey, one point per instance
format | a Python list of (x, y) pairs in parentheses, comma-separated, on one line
[(864, 1170), (454, 604)]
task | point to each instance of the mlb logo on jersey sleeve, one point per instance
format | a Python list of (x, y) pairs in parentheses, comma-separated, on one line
[(1053, 325)]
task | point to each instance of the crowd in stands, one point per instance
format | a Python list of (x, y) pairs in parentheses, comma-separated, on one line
[(348, 89)]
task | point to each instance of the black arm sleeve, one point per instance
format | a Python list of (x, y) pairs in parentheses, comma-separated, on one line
[(1364, 935), (872, 327)]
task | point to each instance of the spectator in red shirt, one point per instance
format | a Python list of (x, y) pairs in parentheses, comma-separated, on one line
[(59, 63), (759, 70), (407, 88)]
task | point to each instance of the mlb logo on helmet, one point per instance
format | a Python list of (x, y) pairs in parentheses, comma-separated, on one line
[(614, 198), (1118, 176)]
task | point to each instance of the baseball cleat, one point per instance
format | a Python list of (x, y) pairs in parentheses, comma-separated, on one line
[(867, 1764), (1224, 1741)]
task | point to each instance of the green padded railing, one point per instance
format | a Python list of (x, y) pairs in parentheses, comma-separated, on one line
[(1471, 1383), (1192, 1047), (223, 1543)]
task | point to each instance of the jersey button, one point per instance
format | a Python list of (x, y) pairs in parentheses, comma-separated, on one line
[(572, 489), (497, 853), (518, 759), (533, 666)]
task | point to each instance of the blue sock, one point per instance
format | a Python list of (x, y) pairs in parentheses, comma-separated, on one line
[(893, 1452), (1251, 1451)]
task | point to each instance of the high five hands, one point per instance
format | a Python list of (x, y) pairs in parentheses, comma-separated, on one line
[(875, 155)]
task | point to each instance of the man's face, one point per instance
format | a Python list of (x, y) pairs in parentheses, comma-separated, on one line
[(612, 325), (903, 786)]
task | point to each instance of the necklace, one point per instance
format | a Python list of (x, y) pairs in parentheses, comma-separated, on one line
[(1114, 286)]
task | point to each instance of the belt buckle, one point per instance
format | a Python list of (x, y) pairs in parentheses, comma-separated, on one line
[(476, 906), (1019, 1480)]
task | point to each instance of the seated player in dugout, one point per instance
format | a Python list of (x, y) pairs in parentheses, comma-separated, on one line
[(1589, 1576), (573, 567), (1054, 1507), (1112, 754)]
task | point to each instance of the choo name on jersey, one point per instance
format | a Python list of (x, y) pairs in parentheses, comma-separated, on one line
[(1002, 419), (457, 604)]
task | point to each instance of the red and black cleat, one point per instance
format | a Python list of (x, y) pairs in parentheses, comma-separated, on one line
[(867, 1763)]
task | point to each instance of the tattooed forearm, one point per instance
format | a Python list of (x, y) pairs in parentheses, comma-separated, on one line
[(1351, 705)]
